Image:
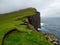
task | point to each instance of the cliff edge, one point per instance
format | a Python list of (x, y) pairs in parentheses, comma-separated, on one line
[(19, 28)]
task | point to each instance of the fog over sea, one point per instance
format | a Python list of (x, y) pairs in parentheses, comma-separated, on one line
[(51, 25)]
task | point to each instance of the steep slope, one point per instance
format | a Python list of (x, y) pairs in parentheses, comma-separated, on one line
[(13, 30)]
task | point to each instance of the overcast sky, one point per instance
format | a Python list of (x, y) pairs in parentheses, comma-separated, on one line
[(48, 8)]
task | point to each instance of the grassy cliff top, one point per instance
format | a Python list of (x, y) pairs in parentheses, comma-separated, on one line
[(26, 36), (17, 14)]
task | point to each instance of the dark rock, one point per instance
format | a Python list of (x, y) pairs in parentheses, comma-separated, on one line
[(29, 26), (35, 20)]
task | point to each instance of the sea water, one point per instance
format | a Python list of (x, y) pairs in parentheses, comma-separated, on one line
[(51, 25)]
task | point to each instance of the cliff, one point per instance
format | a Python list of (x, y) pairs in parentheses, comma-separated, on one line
[(14, 28), (35, 20)]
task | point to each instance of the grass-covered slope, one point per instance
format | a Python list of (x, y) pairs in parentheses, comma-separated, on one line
[(23, 36)]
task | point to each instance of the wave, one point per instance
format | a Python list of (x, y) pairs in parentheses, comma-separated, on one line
[(42, 24)]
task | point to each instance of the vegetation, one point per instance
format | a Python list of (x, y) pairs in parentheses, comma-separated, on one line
[(23, 36)]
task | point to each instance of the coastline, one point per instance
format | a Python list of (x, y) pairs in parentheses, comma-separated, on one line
[(49, 36)]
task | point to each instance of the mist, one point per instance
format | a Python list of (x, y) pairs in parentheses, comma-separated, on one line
[(47, 8)]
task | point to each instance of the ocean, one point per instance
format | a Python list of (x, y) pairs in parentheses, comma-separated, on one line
[(51, 25)]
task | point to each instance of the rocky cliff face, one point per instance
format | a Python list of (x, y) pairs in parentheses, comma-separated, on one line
[(35, 20)]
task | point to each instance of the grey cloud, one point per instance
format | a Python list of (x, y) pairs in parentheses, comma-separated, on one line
[(46, 7)]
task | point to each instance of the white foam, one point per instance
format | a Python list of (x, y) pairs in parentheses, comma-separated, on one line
[(42, 24)]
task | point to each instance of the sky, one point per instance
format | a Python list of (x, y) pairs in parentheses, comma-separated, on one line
[(47, 8)]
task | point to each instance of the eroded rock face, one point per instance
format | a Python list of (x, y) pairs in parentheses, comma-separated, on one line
[(35, 20)]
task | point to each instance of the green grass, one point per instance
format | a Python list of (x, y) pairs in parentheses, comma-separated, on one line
[(9, 21), (25, 38)]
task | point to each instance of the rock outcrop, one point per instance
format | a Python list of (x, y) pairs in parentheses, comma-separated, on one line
[(51, 38), (35, 20)]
